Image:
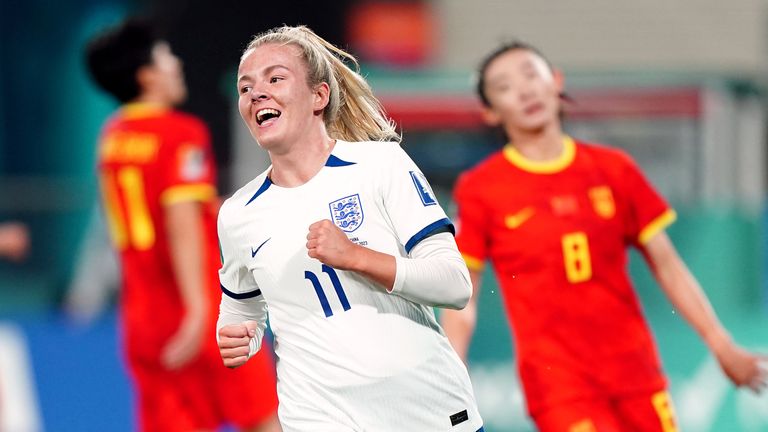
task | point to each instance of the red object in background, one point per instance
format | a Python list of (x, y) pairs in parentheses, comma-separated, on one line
[(392, 32)]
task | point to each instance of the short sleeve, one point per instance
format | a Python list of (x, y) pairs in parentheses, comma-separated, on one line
[(471, 235), (648, 212), (236, 280), (188, 168), (410, 202)]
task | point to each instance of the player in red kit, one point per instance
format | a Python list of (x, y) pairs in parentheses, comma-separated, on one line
[(555, 217), (158, 190)]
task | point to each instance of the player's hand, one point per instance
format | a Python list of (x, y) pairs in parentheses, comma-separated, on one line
[(185, 344), (742, 367), (14, 241), (327, 243), (234, 343)]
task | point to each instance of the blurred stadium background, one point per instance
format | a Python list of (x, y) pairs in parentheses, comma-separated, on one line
[(680, 85)]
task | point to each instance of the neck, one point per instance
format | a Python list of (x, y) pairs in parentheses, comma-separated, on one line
[(154, 98), (541, 145), (298, 165)]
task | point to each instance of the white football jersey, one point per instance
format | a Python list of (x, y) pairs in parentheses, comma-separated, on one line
[(351, 357)]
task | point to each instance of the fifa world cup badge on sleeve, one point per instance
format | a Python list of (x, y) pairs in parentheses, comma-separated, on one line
[(192, 163), (347, 213), (422, 187)]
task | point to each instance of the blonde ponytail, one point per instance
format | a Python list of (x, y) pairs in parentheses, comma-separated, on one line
[(353, 113)]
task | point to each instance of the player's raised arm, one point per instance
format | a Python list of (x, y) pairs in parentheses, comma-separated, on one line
[(433, 275)]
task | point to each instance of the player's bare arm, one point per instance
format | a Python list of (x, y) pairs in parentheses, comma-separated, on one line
[(459, 325), (185, 238), (684, 292)]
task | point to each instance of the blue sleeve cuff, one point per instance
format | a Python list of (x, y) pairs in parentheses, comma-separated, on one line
[(241, 296), (442, 225)]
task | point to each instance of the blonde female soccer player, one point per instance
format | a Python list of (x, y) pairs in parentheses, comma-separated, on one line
[(343, 240)]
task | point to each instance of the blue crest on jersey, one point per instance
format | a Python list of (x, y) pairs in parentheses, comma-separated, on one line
[(422, 187), (347, 213)]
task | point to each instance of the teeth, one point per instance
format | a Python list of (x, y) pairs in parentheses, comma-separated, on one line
[(264, 112)]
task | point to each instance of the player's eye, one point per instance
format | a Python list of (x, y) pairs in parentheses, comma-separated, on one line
[(245, 89), (275, 79), (502, 87)]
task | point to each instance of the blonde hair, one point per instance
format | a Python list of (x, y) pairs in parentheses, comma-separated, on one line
[(353, 113)]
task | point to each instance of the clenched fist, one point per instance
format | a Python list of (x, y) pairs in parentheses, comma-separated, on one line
[(235, 343), (327, 243)]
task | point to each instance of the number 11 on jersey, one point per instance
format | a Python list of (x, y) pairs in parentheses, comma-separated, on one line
[(321, 294)]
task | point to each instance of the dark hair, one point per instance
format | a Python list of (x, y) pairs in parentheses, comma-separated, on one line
[(114, 56), (505, 47)]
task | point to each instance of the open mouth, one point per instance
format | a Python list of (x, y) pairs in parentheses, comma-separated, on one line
[(266, 114)]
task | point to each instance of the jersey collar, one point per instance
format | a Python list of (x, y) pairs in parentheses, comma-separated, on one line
[(138, 110), (546, 167), (333, 161)]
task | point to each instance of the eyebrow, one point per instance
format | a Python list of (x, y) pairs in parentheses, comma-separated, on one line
[(495, 79), (267, 70)]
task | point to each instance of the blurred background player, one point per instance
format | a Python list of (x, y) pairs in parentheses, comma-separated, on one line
[(555, 217), (342, 238), (157, 179)]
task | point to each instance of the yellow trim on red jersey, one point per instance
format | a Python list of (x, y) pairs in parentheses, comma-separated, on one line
[(662, 403), (137, 110), (542, 167), (473, 263), (584, 425), (184, 193), (655, 226)]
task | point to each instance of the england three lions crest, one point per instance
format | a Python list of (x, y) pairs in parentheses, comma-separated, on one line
[(347, 213)]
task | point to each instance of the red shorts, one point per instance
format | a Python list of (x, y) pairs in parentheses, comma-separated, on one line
[(648, 412), (206, 394)]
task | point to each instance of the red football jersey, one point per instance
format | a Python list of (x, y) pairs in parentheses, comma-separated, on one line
[(556, 234), (151, 157)]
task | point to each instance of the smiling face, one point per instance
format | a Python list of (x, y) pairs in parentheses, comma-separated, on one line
[(523, 92), (276, 101)]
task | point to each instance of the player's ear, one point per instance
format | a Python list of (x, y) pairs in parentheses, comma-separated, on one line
[(322, 95), (490, 116), (559, 79), (145, 76)]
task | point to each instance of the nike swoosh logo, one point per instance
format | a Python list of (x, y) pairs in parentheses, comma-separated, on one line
[(514, 221), (254, 252)]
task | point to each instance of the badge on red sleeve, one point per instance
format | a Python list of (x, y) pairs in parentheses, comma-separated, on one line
[(192, 164)]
